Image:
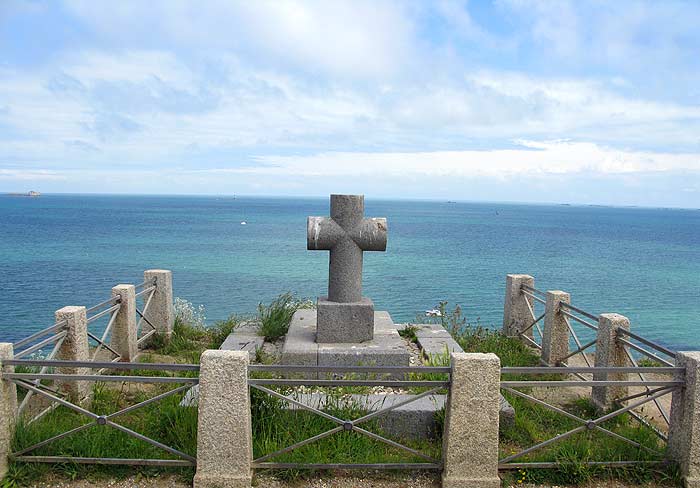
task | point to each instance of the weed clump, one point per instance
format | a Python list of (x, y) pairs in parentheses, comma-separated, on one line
[(275, 317)]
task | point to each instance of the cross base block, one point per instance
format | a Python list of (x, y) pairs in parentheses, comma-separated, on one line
[(351, 322)]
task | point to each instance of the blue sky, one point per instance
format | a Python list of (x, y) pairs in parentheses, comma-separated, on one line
[(509, 100)]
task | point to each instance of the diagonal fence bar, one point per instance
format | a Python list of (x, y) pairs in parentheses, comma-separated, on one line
[(343, 424)]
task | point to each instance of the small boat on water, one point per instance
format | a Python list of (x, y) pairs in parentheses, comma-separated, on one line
[(244, 222)]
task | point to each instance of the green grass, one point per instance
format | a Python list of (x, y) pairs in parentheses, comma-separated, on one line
[(189, 341), (535, 424), (275, 427), (409, 332), (164, 421), (275, 317)]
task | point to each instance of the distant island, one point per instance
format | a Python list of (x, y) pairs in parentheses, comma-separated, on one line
[(28, 194)]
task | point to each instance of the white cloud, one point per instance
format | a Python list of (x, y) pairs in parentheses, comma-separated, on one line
[(31, 175), (359, 38), (533, 158), (150, 106)]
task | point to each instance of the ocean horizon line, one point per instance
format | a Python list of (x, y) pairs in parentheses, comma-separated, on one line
[(370, 197)]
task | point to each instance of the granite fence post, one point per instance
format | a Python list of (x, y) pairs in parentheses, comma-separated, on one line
[(470, 438), (224, 432), (75, 347), (684, 430), (555, 340), (161, 313), (516, 314), (610, 353), (124, 339), (8, 407)]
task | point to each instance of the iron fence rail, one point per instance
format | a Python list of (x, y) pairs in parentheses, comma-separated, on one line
[(33, 383), (57, 327), (111, 301), (110, 307), (288, 368), (57, 363), (346, 425), (654, 389), (586, 369), (580, 311), (649, 343), (593, 424), (416, 466), (341, 383)]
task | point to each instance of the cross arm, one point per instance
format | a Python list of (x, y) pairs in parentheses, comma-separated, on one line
[(322, 233), (371, 234)]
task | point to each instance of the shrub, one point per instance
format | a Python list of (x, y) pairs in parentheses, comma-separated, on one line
[(221, 330), (275, 317), (187, 313)]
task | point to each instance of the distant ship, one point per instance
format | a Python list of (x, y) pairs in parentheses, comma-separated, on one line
[(28, 194)]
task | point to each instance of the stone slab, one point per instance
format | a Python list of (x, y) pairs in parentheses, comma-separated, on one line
[(300, 345), (415, 420), (430, 331), (244, 338), (350, 322), (387, 348), (438, 346)]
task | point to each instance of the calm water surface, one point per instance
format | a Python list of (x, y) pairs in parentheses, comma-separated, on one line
[(61, 250)]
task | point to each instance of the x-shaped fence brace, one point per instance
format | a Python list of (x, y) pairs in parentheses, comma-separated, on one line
[(150, 290), (23, 380), (665, 387), (532, 293), (57, 340), (112, 310), (344, 425)]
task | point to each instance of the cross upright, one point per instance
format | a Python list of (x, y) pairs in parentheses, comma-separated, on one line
[(346, 234)]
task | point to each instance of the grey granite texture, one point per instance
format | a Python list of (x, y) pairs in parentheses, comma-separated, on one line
[(516, 314), (75, 347), (161, 312), (244, 338), (8, 408), (415, 420), (438, 346), (609, 353), (224, 437), (124, 339), (684, 431), (346, 234), (387, 348), (350, 322), (555, 336), (470, 438)]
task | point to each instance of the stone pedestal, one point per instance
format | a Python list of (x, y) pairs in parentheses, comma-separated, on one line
[(385, 349), (345, 322)]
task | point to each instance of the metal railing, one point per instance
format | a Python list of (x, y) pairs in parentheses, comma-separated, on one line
[(40, 384), (538, 302), (145, 292), (108, 308), (570, 312), (661, 355), (347, 425), (58, 334), (660, 389)]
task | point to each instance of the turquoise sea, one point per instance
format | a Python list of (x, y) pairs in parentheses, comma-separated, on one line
[(59, 250)]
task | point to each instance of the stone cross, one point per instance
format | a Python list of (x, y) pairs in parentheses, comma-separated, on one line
[(345, 315)]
